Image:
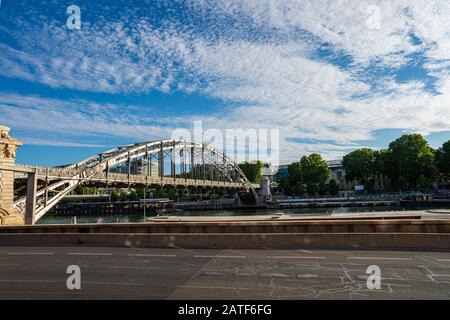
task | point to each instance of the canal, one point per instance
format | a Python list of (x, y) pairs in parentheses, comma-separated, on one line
[(136, 218)]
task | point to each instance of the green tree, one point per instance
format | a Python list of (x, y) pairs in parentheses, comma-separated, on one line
[(402, 183), (409, 157), (283, 184), (334, 187), (123, 196), (295, 174), (86, 191), (387, 184), (142, 193), (370, 186), (252, 170), (380, 157), (295, 179), (133, 196), (311, 171), (322, 189), (423, 184), (173, 193), (359, 164), (311, 188), (114, 196), (443, 159), (298, 188), (314, 169)]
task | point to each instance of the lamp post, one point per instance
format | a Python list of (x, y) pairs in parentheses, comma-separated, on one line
[(145, 205)]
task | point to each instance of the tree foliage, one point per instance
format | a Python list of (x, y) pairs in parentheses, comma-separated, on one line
[(443, 159), (408, 163), (252, 170), (410, 157), (283, 184), (423, 184), (334, 187), (314, 169), (294, 174), (387, 184), (359, 164)]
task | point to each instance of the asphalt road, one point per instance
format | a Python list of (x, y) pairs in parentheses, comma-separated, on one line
[(118, 273)]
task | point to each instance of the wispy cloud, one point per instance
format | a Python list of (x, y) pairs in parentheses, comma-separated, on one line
[(277, 63)]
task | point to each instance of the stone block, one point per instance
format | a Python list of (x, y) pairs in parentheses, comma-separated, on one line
[(8, 148)]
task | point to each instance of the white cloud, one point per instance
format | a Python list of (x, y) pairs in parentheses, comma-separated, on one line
[(271, 82), (79, 120)]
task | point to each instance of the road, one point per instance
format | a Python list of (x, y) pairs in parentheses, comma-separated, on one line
[(120, 273)]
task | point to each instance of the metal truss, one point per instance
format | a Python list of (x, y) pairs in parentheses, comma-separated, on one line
[(189, 164)]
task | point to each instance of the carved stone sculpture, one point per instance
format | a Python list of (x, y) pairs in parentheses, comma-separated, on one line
[(8, 146)]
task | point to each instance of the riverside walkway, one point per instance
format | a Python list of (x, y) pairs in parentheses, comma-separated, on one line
[(407, 230)]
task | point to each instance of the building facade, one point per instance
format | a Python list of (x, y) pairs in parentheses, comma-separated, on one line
[(337, 174)]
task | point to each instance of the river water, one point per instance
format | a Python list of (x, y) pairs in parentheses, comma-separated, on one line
[(52, 219)]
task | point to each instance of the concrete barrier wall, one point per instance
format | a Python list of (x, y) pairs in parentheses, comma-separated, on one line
[(371, 226), (249, 240)]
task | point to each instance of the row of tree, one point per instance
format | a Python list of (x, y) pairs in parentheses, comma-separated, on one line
[(408, 163), (309, 175)]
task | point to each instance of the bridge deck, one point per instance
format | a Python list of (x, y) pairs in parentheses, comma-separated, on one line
[(166, 181), (198, 166)]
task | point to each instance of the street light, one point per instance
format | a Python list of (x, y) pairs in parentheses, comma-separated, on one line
[(145, 205)]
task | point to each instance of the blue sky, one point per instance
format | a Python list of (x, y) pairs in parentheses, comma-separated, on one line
[(332, 76)]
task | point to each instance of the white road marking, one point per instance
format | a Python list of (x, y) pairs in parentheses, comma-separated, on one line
[(126, 267), (379, 258), (88, 254), (213, 288), (212, 274), (307, 276), (153, 255), (294, 257), (30, 281), (443, 260), (244, 274), (30, 253), (224, 257), (114, 283), (274, 275)]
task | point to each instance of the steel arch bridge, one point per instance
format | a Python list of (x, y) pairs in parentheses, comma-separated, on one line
[(149, 164)]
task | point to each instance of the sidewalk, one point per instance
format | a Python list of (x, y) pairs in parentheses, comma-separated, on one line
[(429, 214)]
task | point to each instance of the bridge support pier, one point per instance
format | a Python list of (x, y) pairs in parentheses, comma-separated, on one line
[(30, 211), (161, 162), (8, 147)]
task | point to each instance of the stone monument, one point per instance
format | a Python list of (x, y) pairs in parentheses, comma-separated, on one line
[(8, 145), (265, 192)]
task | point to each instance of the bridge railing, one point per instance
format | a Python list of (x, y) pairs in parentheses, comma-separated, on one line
[(142, 179)]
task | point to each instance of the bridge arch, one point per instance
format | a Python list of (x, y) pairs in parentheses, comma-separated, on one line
[(179, 163)]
